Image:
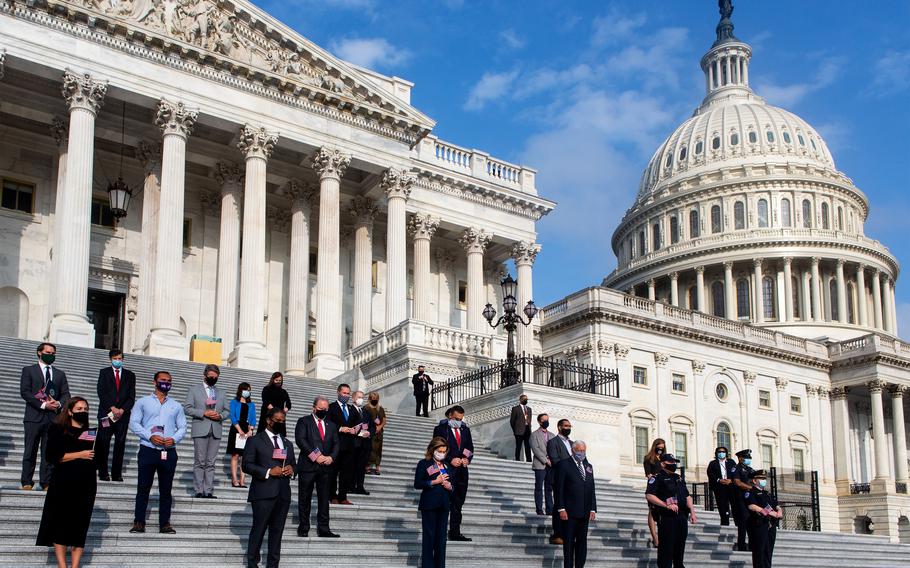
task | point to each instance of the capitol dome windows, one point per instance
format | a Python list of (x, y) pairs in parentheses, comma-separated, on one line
[(762, 212), (770, 136), (692, 298), (753, 137), (641, 244), (826, 222), (694, 225), (734, 139), (674, 230), (785, 220), (840, 218), (683, 152), (718, 301), (812, 141), (742, 299), (699, 147), (787, 138), (807, 214), (715, 143), (802, 141), (769, 301), (669, 160), (655, 233), (739, 216), (716, 226)]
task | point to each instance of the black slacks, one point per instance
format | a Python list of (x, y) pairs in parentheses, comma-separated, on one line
[(35, 436), (361, 456), (271, 515), (523, 441), (672, 532), (423, 401), (459, 494), (306, 481), (722, 501), (118, 431), (740, 516), (433, 551), (762, 536), (341, 479), (575, 542)]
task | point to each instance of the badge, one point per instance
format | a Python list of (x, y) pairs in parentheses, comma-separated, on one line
[(589, 469), (746, 495), (163, 455), (650, 481)]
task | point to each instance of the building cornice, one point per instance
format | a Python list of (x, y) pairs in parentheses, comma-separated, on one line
[(514, 202)]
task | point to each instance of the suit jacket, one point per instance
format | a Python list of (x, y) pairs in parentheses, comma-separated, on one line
[(195, 409), (714, 473), (557, 451), (361, 416), (432, 497), (539, 448), (109, 396), (336, 417), (417, 383), (257, 461), (517, 420), (306, 434), (454, 451), (32, 381), (571, 492)]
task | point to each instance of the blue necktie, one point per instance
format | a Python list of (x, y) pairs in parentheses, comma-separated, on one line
[(344, 410)]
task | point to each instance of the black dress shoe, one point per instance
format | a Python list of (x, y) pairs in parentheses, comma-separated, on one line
[(117, 479), (209, 496), (459, 538), (199, 496), (303, 533), (167, 529), (328, 534), (103, 478), (361, 492), (137, 528)]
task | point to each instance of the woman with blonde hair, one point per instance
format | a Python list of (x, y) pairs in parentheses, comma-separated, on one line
[(377, 415), (651, 463)]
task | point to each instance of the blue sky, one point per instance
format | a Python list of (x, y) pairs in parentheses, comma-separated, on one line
[(586, 91)]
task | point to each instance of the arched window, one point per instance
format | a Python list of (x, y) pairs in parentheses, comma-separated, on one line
[(769, 298), (785, 220), (742, 299), (641, 244), (753, 137), (694, 225), (802, 141), (682, 153), (655, 234), (715, 142), (674, 230), (807, 214), (840, 218), (851, 315), (699, 147), (826, 222), (669, 160), (724, 437), (715, 219), (734, 139), (718, 300), (762, 212), (739, 215), (832, 291), (692, 297), (786, 137), (770, 136), (796, 291)]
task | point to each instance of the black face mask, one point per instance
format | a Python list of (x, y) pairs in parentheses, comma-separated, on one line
[(321, 414), (660, 451), (545, 424), (279, 428), (81, 418), (671, 467), (210, 381), (565, 431), (523, 401)]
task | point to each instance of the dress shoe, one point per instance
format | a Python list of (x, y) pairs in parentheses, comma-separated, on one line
[(27, 487), (361, 492), (459, 538), (103, 478), (345, 502), (334, 501), (117, 479), (541, 513), (44, 487), (137, 528), (303, 533), (200, 496), (167, 529), (327, 534), (209, 496), (555, 540)]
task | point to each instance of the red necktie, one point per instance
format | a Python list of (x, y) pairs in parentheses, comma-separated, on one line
[(458, 437), (321, 430), (117, 379)]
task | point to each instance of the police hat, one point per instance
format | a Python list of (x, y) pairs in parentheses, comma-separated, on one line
[(758, 473), (744, 454), (668, 458)]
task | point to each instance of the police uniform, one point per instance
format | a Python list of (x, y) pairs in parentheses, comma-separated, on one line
[(672, 528), (762, 528), (743, 473)]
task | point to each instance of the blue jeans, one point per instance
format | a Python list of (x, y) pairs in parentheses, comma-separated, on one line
[(149, 464), (543, 491)]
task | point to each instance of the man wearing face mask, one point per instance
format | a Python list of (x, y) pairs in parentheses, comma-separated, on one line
[(520, 421), (576, 503), (206, 405), (720, 481), (559, 448), (344, 419), (543, 487), (366, 429), (764, 515), (44, 389), (742, 483), (117, 394), (669, 496), (159, 423), (460, 452), (318, 442)]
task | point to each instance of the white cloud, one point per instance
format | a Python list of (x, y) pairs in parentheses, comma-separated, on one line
[(511, 40), (371, 53), (790, 95), (892, 74), (490, 87), (615, 27), (656, 62)]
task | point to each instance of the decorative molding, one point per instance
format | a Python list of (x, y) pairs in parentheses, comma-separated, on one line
[(364, 210), (839, 393), (897, 391), (524, 252), (330, 162), (812, 391), (781, 383), (422, 226), (517, 204), (605, 347), (661, 360), (698, 367), (210, 202), (622, 352), (132, 299), (397, 183), (474, 240), (876, 385), (749, 377), (278, 219), (823, 393), (303, 194), (256, 141), (83, 92), (175, 118), (59, 129), (229, 176), (149, 153)]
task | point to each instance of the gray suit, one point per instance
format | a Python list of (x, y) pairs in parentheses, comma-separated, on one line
[(206, 434), (543, 484), (539, 439)]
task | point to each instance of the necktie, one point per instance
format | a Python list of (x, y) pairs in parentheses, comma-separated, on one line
[(117, 379), (275, 438), (458, 437), (49, 386), (344, 410), (581, 469), (321, 430)]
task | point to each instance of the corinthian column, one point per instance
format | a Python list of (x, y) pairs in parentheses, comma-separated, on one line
[(862, 308), (877, 298), (729, 292), (422, 228), (165, 339), (525, 254), (890, 306), (700, 289), (330, 165), (475, 241), (841, 292), (759, 313), (397, 186), (788, 289), (230, 176), (878, 429), (898, 428), (817, 312), (364, 211), (59, 131), (149, 153), (257, 144), (69, 324), (302, 195)]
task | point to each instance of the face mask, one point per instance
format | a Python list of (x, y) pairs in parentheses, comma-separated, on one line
[(320, 414), (439, 456), (671, 467), (721, 455), (454, 423), (81, 418), (524, 401), (210, 381), (245, 394), (116, 363), (580, 456), (545, 424), (359, 402), (279, 428), (163, 387), (565, 432), (660, 451), (277, 383), (374, 402), (762, 483), (48, 358), (343, 399), (747, 461)]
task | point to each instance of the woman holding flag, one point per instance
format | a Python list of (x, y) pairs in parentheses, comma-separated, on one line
[(71, 494), (432, 478)]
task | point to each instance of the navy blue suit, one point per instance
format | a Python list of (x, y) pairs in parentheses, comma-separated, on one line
[(458, 475), (576, 496), (434, 509)]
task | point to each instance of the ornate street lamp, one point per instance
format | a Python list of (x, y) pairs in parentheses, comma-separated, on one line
[(118, 193), (509, 321)]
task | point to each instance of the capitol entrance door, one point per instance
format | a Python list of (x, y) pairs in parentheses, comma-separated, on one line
[(105, 311)]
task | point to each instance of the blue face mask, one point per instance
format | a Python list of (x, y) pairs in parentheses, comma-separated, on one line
[(721, 455), (747, 461), (762, 483), (580, 456), (343, 399), (454, 423), (116, 363)]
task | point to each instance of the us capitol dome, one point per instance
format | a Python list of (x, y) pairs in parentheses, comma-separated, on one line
[(743, 214)]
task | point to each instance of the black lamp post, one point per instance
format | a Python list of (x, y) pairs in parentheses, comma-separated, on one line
[(509, 321), (119, 193)]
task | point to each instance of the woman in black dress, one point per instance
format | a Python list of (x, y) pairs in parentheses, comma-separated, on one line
[(273, 396), (651, 463), (71, 494), (243, 418)]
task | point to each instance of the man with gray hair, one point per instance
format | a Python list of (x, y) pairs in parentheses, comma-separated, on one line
[(576, 503), (318, 442)]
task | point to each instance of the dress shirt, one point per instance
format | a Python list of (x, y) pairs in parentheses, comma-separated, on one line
[(567, 442), (723, 468), (149, 412), (272, 438), (44, 376), (524, 412)]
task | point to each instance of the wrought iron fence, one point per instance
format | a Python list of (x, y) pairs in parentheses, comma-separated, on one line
[(797, 494), (900, 487), (527, 369), (859, 488)]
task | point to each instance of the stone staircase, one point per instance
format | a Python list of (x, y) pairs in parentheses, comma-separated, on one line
[(382, 529)]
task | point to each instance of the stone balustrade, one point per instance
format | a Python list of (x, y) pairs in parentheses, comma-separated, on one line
[(868, 344), (476, 164)]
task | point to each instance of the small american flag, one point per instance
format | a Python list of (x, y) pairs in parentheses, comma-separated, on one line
[(279, 454), (157, 430), (41, 395), (432, 470), (671, 500), (105, 422), (358, 428), (467, 453), (89, 435), (314, 455), (767, 510)]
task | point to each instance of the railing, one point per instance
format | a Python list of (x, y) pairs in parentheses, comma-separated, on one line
[(527, 369), (701, 495), (423, 334), (797, 495), (503, 171), (860, 488), (900, 487), (476, 164), (452, 155)]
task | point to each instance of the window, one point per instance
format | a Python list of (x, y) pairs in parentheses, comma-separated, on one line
[(18, 196), (802, 141), (314, 261), (812, 141), (742, 299), (722, 392), (769, 299), (796, 405), (770, 136), (787, 137), (682, 153), (799, 464), (762, 212), (674, 230), (311, 350), (669, 160), (739, 216), (826, 223), (807, 214), (715, 219), (462, 294), (851, 311), (724, 437), (679, 382), (374, 274), (715, 143), (639, 376), (734, 139), (840, 218), (767, 456), (753, 137), (101, 213), (655, 233), (718, 300), (794, 285), (681, 447), (785, 219), (641, 243), (764, 399), (832, 291), (694, 229), (699, 147), (692, 295), (642, 443), (187, 233)]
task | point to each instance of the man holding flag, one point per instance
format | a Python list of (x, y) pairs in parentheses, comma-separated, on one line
[(116, 394), (318, 442), (460, 446)]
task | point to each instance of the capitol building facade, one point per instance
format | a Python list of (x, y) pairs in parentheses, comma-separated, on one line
[(187, 169)]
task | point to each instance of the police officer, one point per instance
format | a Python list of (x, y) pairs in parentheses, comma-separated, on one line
[(764, 515), (742, 480), (720, 482), (672, 504)]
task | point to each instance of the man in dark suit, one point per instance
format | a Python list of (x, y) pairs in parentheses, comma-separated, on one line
[(460, 453), (720, 481), (44, 389), (559, 448), (422, 384), (363, 446), (116, 395), (268, 458), (575, 501), (520, 421), (318, 442), (344, 420)]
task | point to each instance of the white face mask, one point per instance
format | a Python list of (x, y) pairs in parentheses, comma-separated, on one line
[(439, 456), (245, 394), (359, 401)]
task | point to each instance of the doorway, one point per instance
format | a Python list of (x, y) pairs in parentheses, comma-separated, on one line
[(105, 311)]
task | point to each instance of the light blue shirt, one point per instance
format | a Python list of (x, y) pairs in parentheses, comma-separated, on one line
[(148, 412)]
